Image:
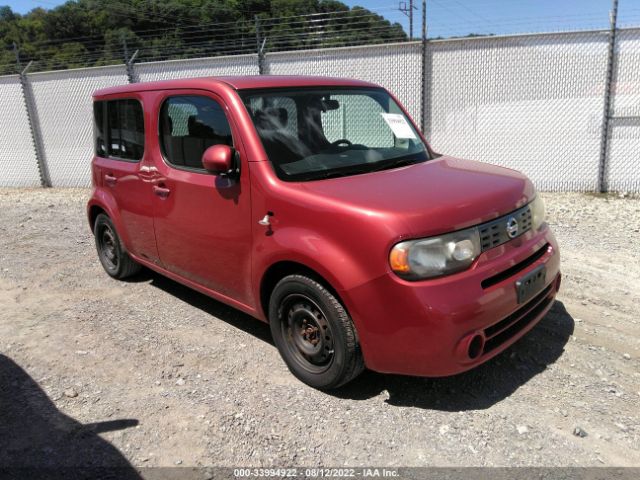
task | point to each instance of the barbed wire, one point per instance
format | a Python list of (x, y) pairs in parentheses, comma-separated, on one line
[(207, 27), (315, 30)]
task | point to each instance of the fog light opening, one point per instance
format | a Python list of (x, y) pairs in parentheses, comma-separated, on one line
[(475, 347)]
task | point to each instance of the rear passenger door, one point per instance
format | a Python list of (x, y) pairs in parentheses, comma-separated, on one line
[(124, 173), (202, 221)]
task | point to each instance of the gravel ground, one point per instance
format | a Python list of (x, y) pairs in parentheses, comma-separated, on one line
[(149, 373)]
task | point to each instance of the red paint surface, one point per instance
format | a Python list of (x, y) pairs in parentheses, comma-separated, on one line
[(202, 230)]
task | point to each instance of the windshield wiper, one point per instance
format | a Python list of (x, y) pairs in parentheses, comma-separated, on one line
[(339, 173), (334, 173), (399, 162), (360, 169)]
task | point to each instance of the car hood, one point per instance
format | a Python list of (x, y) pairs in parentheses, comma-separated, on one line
[(433, 197)]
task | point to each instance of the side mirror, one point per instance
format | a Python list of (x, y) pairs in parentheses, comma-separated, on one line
[(218, 159)]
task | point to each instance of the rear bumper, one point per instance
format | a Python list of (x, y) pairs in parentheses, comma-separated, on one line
[(448, 325)]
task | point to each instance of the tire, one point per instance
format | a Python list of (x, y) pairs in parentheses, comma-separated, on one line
[(113, 257), (313, 333)]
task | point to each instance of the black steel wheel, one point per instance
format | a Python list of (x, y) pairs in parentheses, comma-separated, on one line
[(307, 333), (114, 259), (314, 333)]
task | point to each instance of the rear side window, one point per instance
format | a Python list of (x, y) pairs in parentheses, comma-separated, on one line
[(188, 126), (98, 117), (119, 129)]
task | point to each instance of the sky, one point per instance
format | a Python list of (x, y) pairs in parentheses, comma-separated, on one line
[(461, 17)]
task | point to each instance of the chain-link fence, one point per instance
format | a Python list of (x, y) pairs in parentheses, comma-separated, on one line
[(622, 170), (530, 102), (19, 166), (201, 67), (533, 103), (397, 67), (65, 119)]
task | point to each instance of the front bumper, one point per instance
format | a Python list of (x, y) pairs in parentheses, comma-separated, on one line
[(427, 328)]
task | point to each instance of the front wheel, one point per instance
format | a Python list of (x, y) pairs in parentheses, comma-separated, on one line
[(314, 333), (114, 259)]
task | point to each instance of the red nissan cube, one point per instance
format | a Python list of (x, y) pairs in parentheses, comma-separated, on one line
[(316, 205)]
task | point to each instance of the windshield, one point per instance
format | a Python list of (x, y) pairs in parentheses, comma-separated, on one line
[(311, 134)]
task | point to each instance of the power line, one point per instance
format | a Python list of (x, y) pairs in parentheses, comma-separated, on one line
[(462, 5)]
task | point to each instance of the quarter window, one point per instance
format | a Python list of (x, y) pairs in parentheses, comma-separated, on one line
[(188, 126), (119, 129), (98, 116)]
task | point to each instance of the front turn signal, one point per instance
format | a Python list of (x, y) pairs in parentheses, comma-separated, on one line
[(399, 259)]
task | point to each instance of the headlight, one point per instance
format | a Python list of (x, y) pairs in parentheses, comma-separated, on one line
[(537, 212), (435, 256)]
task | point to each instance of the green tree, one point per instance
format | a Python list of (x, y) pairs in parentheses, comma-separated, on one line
[(93, 32)]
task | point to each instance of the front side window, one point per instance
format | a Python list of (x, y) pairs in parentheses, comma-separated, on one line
[(188, 126), (310, 134)]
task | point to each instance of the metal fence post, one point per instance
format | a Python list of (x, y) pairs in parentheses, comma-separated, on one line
[(423, 89), (129, 61), (34, 126), (260, 42), (131, 71), (606, 113)]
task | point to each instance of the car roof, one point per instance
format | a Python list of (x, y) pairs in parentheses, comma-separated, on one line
[(237, 82)]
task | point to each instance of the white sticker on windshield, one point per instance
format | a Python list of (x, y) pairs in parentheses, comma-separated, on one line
[(398, 125)]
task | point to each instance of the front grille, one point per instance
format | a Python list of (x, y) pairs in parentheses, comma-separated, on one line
[(495, 233), (507, 328), (511, 271)]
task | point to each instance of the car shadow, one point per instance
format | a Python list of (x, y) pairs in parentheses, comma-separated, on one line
[(37, 440), (481, 387), (230, 315), (476, 389)]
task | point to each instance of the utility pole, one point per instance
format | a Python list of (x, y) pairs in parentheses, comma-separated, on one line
[(410, 19), (606, 113), (408, 9)]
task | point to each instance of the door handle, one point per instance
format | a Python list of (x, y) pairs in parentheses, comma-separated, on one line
[(110, 179), (162, 192)]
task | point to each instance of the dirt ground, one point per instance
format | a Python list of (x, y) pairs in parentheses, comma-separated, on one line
[(149, 373)]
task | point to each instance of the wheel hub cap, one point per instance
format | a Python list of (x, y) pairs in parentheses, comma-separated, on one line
[(308, 333)]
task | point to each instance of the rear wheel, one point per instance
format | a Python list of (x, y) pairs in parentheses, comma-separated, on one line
[(314, 333), (113, 257)]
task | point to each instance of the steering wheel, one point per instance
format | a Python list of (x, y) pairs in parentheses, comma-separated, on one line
[(342, 141)]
